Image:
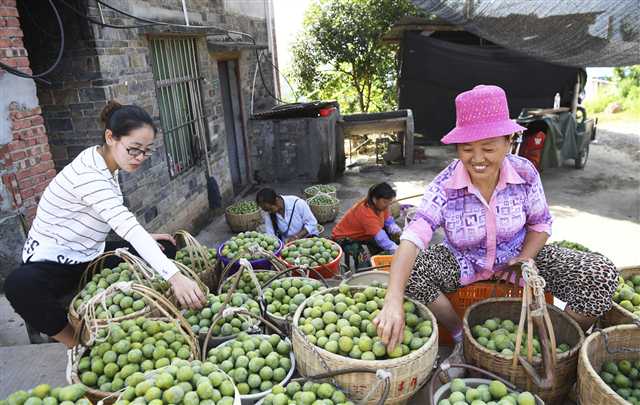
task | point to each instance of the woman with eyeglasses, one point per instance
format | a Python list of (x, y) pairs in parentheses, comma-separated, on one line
[(76, 212)]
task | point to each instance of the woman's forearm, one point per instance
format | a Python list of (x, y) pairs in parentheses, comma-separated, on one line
[(401, 267), (533, 243)]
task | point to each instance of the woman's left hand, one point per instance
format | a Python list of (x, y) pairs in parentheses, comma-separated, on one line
[(163, 236)]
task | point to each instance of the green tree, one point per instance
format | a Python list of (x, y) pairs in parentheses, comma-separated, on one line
[(340, 53)]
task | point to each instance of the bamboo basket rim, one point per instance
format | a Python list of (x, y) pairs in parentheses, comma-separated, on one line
[(306, 190), (369, 363), (334, 204), (228, 211), (537, 360), (585, 361), (630, 269)]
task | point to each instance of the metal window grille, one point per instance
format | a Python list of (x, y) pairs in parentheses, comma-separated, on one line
[(177, 81)]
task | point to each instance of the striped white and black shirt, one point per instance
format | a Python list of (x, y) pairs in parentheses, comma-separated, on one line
[(77, 210)]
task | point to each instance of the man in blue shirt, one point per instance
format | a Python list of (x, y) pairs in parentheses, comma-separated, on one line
[(287, 217)]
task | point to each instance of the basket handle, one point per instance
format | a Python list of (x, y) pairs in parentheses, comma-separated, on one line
[(198, 253), (383, 375), (534, 312), (445, 366)]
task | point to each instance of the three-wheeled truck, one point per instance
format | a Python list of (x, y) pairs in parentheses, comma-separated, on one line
[(555, 135)]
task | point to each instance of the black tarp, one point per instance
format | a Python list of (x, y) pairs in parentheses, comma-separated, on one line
[(434, 71)]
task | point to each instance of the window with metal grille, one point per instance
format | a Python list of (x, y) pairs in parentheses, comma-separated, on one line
[(177, 80)]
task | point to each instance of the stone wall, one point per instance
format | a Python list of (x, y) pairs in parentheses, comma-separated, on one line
[(26, 167), (104, 63)]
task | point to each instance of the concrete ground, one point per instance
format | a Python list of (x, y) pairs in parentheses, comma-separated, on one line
[(598, 207)]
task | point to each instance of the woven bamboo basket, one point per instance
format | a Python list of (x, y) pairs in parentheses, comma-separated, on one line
[(566, 331), (96, 395), (310, 192), (618, 315), (622, 342), (325, 213), (169, 314), (408, 373), (198, 255), (243, 222), (142, 275)]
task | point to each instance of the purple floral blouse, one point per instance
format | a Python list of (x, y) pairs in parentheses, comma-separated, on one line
[(482, 235)]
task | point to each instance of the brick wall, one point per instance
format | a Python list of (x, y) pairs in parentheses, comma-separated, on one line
[(26, 167)]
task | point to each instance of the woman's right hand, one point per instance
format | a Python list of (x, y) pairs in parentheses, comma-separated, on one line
[(390, 323), (187, 292)]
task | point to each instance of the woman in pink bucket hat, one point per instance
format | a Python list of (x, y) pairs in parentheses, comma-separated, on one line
[(494, 214)]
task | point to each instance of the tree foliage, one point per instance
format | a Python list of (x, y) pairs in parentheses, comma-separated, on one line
[(340, 53)]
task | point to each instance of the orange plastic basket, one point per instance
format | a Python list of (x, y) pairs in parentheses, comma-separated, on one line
[(381, 260)]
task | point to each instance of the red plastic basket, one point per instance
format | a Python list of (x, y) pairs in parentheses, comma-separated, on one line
[(328, 270)]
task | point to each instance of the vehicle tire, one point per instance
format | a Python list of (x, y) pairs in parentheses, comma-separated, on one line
[(581, 159)]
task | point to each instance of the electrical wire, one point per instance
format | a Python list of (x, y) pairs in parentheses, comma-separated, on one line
[(55, 64), (102, 24)]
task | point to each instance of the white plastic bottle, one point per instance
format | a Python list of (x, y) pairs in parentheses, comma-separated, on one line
[(556, 101)]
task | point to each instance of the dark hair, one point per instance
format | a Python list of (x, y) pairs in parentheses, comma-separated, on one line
[(266, 195), (122, 119), (380, 190)]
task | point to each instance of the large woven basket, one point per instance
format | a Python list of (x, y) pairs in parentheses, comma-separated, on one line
[(325, 213), (595, 352), (618, 315), (243, 222), (95, 395), (566, 331), (142, 275), (198, 255), (408, 373)]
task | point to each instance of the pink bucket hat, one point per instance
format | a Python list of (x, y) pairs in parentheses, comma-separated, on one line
[(481, 113)]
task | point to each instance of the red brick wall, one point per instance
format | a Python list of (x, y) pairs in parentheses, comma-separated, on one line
[(25, 162)]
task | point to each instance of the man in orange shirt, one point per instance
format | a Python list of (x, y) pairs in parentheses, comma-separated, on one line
[(370, 222)]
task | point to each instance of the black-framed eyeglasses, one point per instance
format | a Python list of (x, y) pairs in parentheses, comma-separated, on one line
[(136, 152)]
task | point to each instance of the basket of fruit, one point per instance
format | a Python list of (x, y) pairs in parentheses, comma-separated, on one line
[(246, 283), (197, 257), (609, 367), (322, 389), (320, 189), (490, 340), (323, 255), (254, 246), (255, 363), (121, 352), (626, 300), (208, 321), (478, 390), (44, 394), (243, 216), (183, 382), (324, 207), (282, 296), (123, 303), (334, 329)]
